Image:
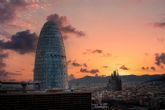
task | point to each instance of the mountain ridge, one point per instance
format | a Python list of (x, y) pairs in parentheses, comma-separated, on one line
[(102, 81)]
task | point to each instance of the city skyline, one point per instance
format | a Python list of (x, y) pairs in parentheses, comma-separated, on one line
[(99, 35)]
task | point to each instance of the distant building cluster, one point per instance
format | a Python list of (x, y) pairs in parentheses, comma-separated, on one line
[(114, 83), (144, 96)]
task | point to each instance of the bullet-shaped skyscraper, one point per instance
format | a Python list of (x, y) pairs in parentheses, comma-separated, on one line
[(50, 62)]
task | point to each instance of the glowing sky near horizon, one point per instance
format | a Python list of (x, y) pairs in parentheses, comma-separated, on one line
[(124, 30)]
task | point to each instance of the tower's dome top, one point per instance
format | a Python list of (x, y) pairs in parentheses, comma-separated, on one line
[(50, 26), (49, 23)]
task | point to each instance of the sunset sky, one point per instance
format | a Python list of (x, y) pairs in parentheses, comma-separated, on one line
[(104, 35)]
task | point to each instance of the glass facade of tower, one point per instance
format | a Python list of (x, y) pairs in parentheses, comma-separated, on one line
[(50, 63)]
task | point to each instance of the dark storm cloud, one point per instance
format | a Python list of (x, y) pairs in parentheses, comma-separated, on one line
[(84, 70), (76, 64), (123, 67), (96, 51), (160, 59), (65, 27), (8, 8), (145, 68), (153, 68), (22, 42), (89, 51), (72, 30), (160, 24), (92, 71)]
